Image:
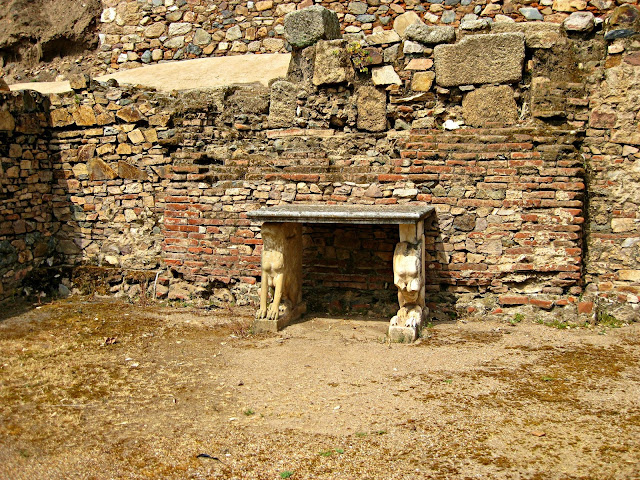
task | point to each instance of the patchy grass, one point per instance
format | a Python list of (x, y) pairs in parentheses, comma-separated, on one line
[(112, 390)]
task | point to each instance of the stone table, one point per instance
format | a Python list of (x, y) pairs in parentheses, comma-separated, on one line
[(282, 260)]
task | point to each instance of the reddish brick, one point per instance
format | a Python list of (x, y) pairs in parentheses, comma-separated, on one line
[(386, 177), (546, 304), (513, 300), (585, 307)]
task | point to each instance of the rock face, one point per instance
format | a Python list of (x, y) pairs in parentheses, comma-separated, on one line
[(372, 109), (305, 27), (56, 27), (430, 35), (490, 106), (479, 59), (282, 105), (332, 63)]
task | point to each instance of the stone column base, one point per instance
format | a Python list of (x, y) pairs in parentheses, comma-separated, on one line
[(286, 318), (399, 334)]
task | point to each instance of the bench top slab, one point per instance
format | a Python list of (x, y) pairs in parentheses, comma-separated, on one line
[(356, 214)]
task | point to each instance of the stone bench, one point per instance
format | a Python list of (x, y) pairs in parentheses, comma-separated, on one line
[(282, 260)]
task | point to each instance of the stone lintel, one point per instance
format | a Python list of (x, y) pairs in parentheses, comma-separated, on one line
[(349, 214)]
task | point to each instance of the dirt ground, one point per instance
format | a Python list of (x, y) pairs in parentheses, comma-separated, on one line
[(96, 389)]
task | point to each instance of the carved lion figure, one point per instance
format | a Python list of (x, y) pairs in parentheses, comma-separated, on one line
[(407, 276), (279, 271)]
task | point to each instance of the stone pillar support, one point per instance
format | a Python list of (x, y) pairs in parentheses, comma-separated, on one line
[(281, 289), (409, 278)]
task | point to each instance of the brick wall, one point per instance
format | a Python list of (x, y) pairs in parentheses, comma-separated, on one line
[(509, 213)]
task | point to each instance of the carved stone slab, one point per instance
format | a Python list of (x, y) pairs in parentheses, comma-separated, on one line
[(355, 214), (281, 300)]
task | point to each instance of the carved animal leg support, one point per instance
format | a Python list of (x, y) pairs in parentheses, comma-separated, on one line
[(282, 274), (408, 274)]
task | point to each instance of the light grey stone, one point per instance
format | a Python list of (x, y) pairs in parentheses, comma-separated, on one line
[(531, 13), (273, 44), (380, 38), (448, 16), (176, 29), (352, 214), (493, 106), (234, 33), (413, 47), (358, 8), (474, 25), (282, 104), (479, 59), (390, 54), (332, 63), (385, 76), (401, 22), (579, 22), (175, 42), (307, 26), (372, 109), (201, 37), (536, 34), (430, 35)]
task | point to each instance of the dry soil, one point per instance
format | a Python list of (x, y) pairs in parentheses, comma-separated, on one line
[(95, 389)]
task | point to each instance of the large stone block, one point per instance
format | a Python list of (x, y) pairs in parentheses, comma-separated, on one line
[(301, 65), (282, 105), (128, 171), (478, 59), (536, 34), (495, 106), (372, 109), (84, 116), (7, 121), (332, 63), (305, 27)]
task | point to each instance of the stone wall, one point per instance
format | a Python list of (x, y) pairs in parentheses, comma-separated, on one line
[(109, 171), (523, 137), (147, 31), (26, 230), (612, 149)]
